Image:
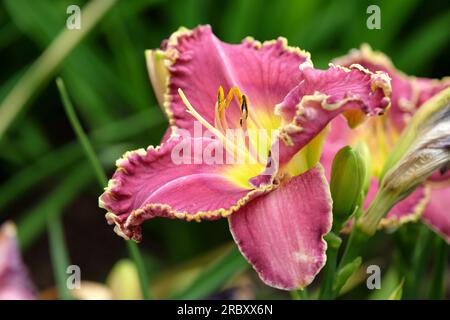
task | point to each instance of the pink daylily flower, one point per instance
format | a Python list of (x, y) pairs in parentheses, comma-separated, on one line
[(381, 134), (14, 281), (278, 206)]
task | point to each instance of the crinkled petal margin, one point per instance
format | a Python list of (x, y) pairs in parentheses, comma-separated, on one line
[(147, 184), (198, 63), (354, 92), (408, 92)]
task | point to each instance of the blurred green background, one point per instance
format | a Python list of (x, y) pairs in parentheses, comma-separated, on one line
[(43, 171)]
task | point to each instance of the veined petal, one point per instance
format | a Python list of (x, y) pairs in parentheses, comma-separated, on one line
[(281, 233), (14, 281), (199, 63), (323, 95), (408, 92), (185, 178), (437, 213)]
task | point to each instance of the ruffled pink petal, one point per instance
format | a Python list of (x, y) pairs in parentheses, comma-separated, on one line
[(437, 214), (409, 209), (149, 183), (322, 96), (408, 92), (281, 233), (199, 63), (14, 281)]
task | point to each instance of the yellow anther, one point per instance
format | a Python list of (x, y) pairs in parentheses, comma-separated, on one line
[(229, 98), (228, 144), (218, 109), (220, 96), (238, 94)]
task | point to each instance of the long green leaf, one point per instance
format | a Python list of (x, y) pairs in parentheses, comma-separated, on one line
[(43, 68), (101, 178), (59, 256), (214, 276)]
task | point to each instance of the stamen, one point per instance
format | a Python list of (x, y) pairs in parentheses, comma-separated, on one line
[(220, 95), (244, 113), (196, 115), (238, 95), (225, 104), (218, 110), (230, 96), (225, 141)]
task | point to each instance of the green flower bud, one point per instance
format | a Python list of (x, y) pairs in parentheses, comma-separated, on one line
[(363, 150), (348, 175)]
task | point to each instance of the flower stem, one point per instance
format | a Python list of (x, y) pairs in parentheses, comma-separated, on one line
[(299, 294), (136, 256), (334, 243), (370, 219), (354, 246), (59, 257), (102, 180)]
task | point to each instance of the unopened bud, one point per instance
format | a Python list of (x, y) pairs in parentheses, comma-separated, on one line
[(348, 175)]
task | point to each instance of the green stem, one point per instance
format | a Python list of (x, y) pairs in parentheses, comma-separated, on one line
[(102, 180), (334, 243), (355, 244), (379, 207), (437, 290), (142, 273), (299, 294), (59, 257)]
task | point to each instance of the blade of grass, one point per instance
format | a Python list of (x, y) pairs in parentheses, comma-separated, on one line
[(57, 160), (81, 135), (101, 177), (59, 256), (43, 68), (34, 173), (215, 275), (437, 290), (420, 260), (33, 222), (8, 34), (424, 44)]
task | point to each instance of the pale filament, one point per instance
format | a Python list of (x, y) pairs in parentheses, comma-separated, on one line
[(220, 106), (225, 141)]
